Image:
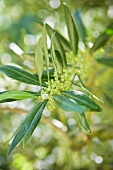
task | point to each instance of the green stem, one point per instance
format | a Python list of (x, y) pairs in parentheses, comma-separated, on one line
[(81, 81)]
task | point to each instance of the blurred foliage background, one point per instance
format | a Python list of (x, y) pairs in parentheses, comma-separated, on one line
[(58, 141)]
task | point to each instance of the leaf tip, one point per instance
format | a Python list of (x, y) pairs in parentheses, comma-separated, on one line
[(9, 151)]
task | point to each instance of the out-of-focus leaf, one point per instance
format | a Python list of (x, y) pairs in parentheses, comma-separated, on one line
[(39, 61), (106, 61), (68, 104), (14, 29), (58, 45), (72, 31), (18, 95), (109, 31), (83, 122), (102, 39), (99, 42), (57, 60), (82, 99), (27, 127), (20, 75), (50, 31), (45, 48), (80, 26)]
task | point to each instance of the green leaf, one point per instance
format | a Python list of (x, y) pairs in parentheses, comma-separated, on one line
[(83, 122), (67, 104), (99, 42), (45, 49), (39, 61), (18, 95), (6, 100), (102, 39), (44, 74), (88, 92), (20, 75), (106, 61), (9, 99), (34, 122), (57, 45), (63, 41), (82, 99), (72, 31), (109, 31), (57, 60), (51, 72), (27, 127), (80, 26)]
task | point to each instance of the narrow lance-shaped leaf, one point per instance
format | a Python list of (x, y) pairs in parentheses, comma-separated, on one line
[(106, 61), (88, 92), (102, 39), (83, 122), (6, 100), (82, 99), (34, 123), (68, 104), (9, 98), (80, 26), (33, 116), (57, 45), (39, 61), (45, 49), (72, 31), (19, 95), (20, 75), (57, 60), (63, 40)]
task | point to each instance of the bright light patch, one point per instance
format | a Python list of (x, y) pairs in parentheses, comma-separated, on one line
[(50, 21), (30, 39), (54, 3), (59, 125), (110, 12), (16, 48), (82, 46), (28, 63), (96, 34), (46, 112), (71, 122), (6, 58), (98, 159), (90, 45)]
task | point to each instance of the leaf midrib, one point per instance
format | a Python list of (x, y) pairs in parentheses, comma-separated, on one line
[(22, 74), (66, 103), (79, 100)]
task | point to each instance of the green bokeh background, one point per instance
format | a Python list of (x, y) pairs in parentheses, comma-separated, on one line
[(58, 142)]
